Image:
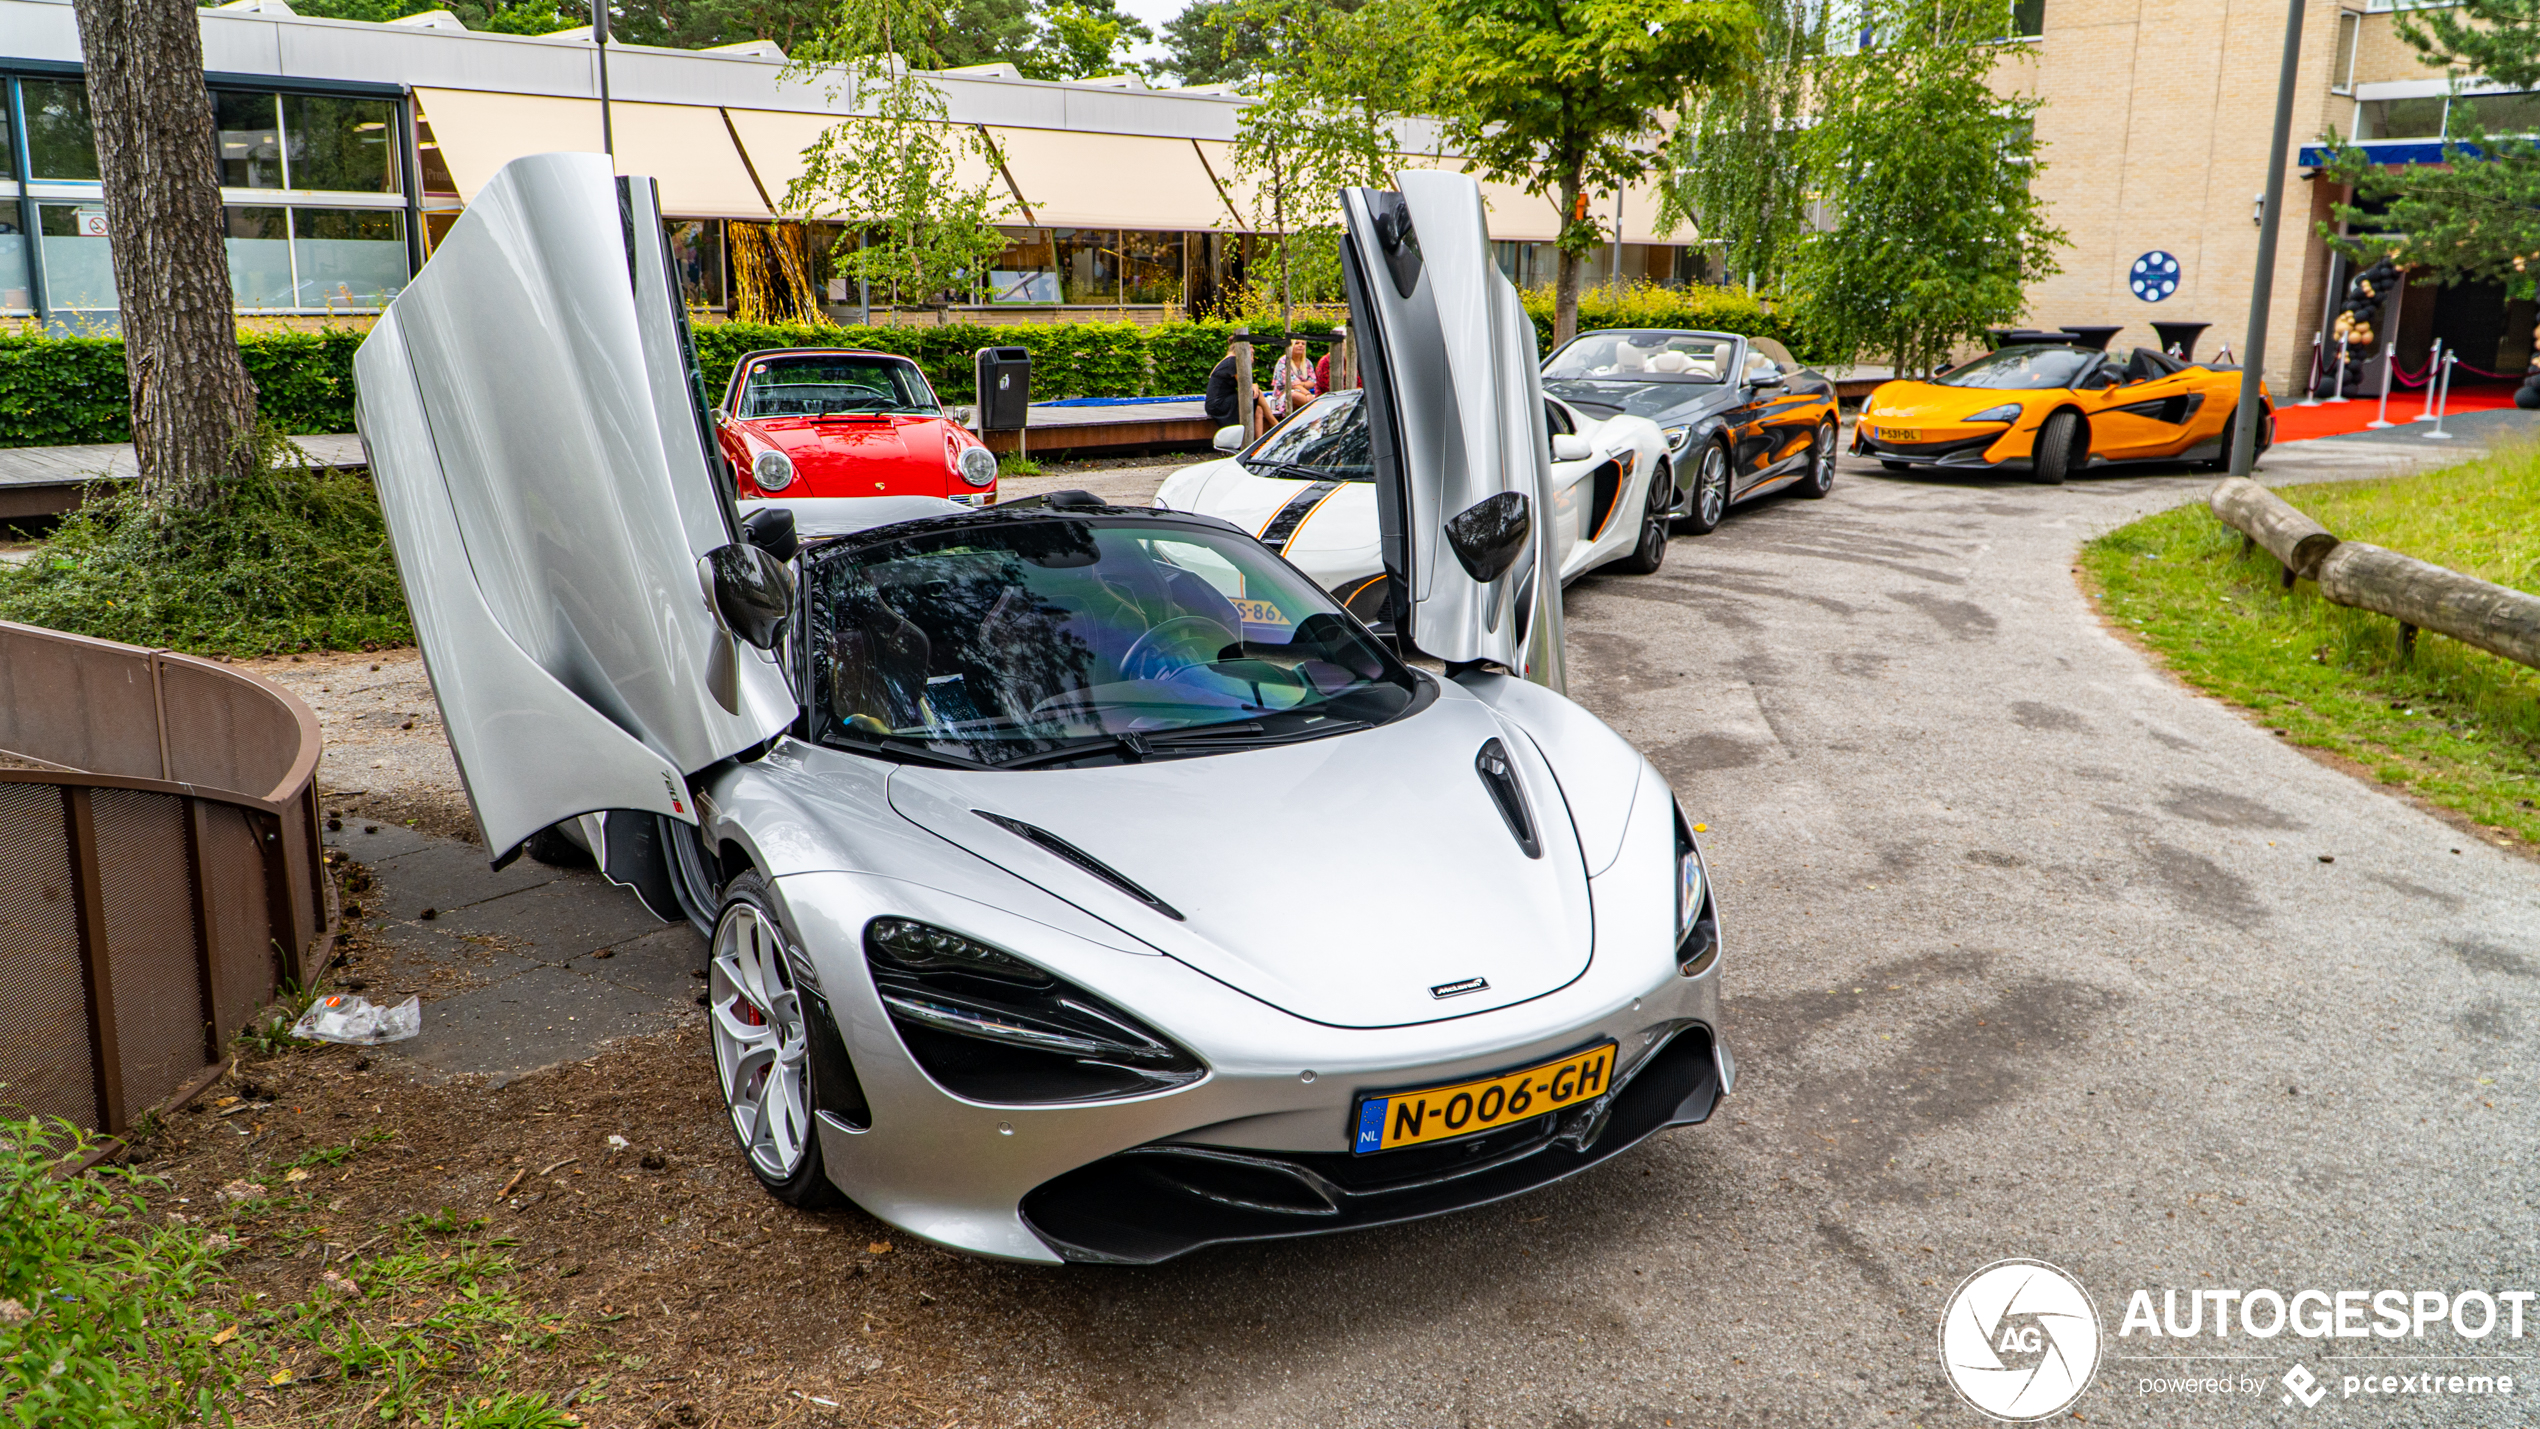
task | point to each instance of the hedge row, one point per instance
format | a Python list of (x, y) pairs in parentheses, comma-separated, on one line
[(65, 391)]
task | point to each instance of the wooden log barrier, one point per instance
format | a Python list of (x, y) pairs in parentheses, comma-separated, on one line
[(2297, 542), (2496, 619)]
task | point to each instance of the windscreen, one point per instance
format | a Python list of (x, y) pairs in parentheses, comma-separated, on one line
[(991, 644), (814, 386), (1325, 442), (2023, 369), (1643, 357)]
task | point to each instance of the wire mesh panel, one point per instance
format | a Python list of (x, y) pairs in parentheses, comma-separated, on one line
[(149, 906), (243, 972), (46, 1057)]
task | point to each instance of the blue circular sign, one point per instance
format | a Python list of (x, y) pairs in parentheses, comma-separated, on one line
[(2155, 276)]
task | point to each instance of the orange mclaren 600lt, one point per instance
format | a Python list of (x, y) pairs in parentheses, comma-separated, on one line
[(2050, 404)]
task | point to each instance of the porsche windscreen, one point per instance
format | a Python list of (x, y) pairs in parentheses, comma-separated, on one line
[(1325, 442), (1026, 641), (1642, 357), (818, 386), (2021, 369)]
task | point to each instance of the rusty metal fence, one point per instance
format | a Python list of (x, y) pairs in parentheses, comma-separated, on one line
[(161, 868)]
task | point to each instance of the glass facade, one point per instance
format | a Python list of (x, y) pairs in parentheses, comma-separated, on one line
[(1151, 267), (314, 215), (696, 251)]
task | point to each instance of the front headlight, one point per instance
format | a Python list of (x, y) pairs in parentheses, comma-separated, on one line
[(1697, 925), (978, 466), (988, 1026), (772, 470), (1676, 438), (2007, 412)]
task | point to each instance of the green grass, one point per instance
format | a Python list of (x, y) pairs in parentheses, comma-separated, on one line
[(2454, 725), (292, 558)]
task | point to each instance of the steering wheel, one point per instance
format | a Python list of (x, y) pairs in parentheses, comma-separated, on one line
[(1143, 651)]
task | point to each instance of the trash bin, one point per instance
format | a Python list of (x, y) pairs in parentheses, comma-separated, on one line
[(1005, 387)]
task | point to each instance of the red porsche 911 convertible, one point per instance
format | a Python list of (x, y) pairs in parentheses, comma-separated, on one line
[(832, 422)]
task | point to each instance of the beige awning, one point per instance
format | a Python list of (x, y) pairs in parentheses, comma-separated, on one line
[(775, 140), (1073, 179), (684, 147), (1516, 216)]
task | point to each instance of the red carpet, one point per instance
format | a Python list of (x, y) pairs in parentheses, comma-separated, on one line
[(2294, 423)]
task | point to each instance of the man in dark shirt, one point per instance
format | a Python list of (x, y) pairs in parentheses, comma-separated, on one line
[(1222, 405)]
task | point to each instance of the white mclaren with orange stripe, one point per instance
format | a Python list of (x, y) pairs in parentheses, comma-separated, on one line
[(1307, 489)]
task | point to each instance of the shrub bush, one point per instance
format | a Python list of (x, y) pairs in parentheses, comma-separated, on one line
[(292, 558), (68, 391)]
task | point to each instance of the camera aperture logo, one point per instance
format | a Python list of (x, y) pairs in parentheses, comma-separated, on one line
[(2020, 1340)]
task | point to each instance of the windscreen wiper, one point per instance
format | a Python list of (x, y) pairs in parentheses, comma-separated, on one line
[(898, 751)]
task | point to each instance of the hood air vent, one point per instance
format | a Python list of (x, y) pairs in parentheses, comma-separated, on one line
[(1500, 777), (1068, 851)]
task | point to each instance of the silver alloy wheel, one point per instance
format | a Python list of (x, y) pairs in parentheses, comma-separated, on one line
[(1822, 459), (759, 1047), (1711, 485)]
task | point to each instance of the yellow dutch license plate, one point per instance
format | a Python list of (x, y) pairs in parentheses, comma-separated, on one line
[(1469, 1108), (1900, 434)]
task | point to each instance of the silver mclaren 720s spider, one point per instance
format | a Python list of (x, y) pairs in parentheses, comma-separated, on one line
[(1082, 883)]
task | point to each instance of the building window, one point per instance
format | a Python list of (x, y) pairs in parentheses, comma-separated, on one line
[(696, 251), (435, 169), (2399, 119), (1152, 265), (347, 257), (341, 145), (2028, 19), (1025, 270), (1088, 263), (8, 140), (259, 244), (79, 261), (58, 141), (2341, 71), (16, 296), (2498, 114), (249, 131)]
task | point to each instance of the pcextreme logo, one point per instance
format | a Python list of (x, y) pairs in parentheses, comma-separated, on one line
[(2019, 1340)]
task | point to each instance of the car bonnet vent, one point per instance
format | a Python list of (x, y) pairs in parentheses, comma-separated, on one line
[(1499, 776), (1068, 851)]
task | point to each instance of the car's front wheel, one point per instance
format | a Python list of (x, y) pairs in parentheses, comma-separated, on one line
[(757, 1023), (1709, 499), (2059, 448), (1821, 455)]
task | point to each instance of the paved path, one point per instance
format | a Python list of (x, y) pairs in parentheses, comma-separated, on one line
[(521, 969), (2032, 953)]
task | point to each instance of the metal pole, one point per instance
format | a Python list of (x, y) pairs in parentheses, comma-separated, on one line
[(2390, 354), (2311, 382), (2342, 351), (2433, 369), (2444, 381), (600, 38), (2244, 435)]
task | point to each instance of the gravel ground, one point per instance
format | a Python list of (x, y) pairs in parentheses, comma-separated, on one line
[(385, 757)]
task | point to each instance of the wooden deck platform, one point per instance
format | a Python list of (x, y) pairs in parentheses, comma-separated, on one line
[(47, 481)]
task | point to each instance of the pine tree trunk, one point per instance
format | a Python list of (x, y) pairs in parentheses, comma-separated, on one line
[(193, 406)]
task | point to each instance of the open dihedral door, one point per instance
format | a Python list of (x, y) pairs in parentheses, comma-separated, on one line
[(538, 440), (1455, 410)]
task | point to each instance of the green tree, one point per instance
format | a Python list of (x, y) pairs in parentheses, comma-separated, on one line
[(1735, 173), (1329, 97), (1205, 45), (1561, 97), (2476, 216), (893, 172), (1926, 170), (1082, 39)]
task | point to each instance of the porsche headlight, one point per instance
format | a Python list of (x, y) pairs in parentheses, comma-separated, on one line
[(2007, 412), (772, 470), (1676, 438), (1697, 925), (978, 466), (991, 1027)]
